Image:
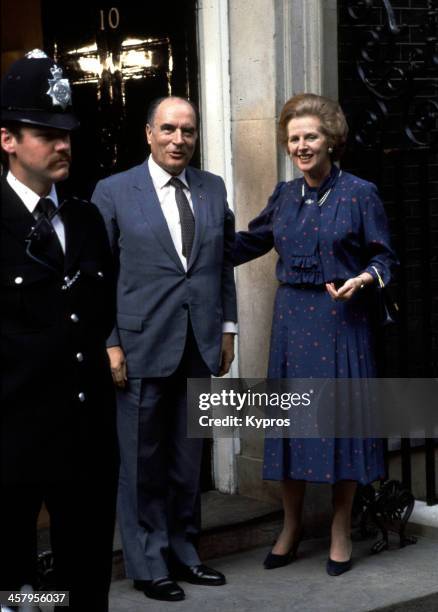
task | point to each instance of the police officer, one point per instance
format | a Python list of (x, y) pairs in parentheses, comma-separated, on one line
[(58, 440)]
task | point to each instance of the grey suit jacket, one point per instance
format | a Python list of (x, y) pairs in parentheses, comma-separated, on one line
[(155, 295)]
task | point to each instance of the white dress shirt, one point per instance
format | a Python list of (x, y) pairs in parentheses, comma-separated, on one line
[(30, 199), (166, 197)]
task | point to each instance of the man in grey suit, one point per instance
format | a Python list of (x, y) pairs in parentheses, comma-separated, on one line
[(171, 230)]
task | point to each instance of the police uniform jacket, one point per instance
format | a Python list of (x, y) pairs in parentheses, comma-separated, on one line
[(58, 409)]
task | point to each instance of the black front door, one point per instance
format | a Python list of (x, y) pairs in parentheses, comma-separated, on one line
[(119, 56)]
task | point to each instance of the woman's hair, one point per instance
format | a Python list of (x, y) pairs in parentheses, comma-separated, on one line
[(333, 123)]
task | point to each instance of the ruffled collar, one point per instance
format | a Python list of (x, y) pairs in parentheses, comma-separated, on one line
[(315, 194)]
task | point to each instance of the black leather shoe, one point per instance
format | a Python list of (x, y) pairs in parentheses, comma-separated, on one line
[(273, 561), (336, 568), (199, 574), (163, 589)]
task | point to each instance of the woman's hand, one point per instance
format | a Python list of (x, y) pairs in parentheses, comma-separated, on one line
[(349, 288)]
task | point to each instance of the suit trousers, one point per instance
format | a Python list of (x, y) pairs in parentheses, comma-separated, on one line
[(159, 498), (81, 533)]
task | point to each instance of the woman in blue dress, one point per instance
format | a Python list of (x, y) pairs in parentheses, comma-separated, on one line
[(330, 231)]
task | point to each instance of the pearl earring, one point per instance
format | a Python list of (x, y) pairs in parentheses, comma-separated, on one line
[(330, 149)]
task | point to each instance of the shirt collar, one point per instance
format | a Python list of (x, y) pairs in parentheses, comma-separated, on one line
[(29, 198), (161, 177)]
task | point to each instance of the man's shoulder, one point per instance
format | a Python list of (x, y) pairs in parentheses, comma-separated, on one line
[(72, 206), (204, 176), (6, 190), (124, 178)]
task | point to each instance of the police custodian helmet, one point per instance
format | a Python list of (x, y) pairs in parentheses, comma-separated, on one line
[(33, 92)]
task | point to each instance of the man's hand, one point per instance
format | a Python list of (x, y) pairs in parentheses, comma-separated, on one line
[(118, 366), (227, 354)]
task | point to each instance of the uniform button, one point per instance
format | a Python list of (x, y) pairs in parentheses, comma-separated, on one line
[(81, 397), (79, 357), (18, 280), (100, 274), (74, 317), (66, 279)]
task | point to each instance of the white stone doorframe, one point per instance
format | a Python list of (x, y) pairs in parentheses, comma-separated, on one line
[(307, 55), (306, 60), (214, 79)]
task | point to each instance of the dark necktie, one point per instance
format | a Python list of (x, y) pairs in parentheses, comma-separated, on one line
[(185, 216), (48, 238)]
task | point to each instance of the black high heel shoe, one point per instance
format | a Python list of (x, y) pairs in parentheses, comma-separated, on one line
[(336, 568), (273, 561)]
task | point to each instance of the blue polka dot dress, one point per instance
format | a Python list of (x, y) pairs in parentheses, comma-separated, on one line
[(312, 335)]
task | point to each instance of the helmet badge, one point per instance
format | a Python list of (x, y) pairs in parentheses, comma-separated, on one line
[(59, 88)]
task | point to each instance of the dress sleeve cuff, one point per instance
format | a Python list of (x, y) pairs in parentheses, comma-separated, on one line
[(379, 275)]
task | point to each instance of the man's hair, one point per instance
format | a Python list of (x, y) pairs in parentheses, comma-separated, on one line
[(152, 108), (15, 128), (333, 123)]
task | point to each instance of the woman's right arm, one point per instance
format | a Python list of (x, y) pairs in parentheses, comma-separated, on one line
[(258, 239)]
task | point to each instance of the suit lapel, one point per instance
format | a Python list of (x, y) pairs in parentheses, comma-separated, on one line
[(147, 199), (200, 207)]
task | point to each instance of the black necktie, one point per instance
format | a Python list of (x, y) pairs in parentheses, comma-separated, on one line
[(185, 216), (47, 237)]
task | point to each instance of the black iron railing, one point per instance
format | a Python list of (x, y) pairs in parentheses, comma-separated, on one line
[(388, 69)]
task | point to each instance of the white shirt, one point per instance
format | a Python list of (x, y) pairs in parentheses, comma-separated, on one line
[(166, 197), (30, 199)]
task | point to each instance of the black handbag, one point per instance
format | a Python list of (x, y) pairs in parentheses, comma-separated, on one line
[(387, 306)]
